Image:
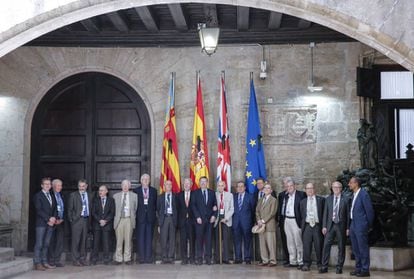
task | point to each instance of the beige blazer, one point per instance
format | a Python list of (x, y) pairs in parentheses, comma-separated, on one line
[(133, 204), (228, 207), (267, 213)]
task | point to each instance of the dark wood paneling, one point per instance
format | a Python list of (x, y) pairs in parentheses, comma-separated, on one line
[(118, 145), (63, 146), (113, 173), (117, 118)]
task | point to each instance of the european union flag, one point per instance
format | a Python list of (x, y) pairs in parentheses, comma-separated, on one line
[(255, 161)]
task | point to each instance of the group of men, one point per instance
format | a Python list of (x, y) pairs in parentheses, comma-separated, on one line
[(304, 219)]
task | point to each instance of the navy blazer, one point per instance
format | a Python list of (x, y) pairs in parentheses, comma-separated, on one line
[(363, 212), (183, 210), (320, 205), (44, 211), (146, 213), (199, 208), (299, 196), (244, 217), (107, 213), (161, 209)]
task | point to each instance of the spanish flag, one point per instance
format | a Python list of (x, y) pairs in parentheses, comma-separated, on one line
[(170, 169), (199, 153)]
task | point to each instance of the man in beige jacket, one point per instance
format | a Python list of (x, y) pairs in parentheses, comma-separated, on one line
[(265, 215), (126, 203)]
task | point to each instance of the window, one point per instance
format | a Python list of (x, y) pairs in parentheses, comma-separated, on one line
[(404, 130), (397, 85)]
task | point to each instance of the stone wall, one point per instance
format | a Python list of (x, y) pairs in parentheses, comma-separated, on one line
[(306, 135)]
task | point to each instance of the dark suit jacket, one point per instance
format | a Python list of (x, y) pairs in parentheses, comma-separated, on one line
[(74, 207), (363, 212), (44, 211), (320, 205), (200, 209), (161, 209), (343, 212), (299, 196), (183, 210), (245, 217), (279, 215), (107, 213), (146, 213)]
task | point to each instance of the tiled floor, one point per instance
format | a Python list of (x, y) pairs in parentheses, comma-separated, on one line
[(190, 271)]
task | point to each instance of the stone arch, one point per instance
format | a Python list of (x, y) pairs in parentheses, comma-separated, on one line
[(34, 104), (327, 14)]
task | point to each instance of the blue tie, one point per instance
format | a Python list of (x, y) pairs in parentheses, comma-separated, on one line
[(60, 202), (240, 202), (84, 203)]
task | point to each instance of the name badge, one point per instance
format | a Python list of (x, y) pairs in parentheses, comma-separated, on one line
[(83, 209), (126, 209), (221, 211), (169, 210), (59, 208), (145, 201)]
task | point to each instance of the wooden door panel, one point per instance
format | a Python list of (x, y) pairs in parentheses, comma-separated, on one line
[(114, 172), (63, 145), (118, 145), (118, 118)]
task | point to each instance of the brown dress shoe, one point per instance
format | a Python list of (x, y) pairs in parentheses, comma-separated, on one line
[(39, 267), (48, 266)]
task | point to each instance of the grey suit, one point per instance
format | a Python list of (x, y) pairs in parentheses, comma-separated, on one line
[(124, 224), (80, 222), (167, 221), (335, 230)]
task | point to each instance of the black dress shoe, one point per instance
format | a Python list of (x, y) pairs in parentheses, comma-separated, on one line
[(248, 262), (237, 261), (323, 270), (184, 262), (59, 265), (286, 264), (363, 274), (338, 270), (116, 263), (305, 268), (300, 267), (128, 262), (208, 262), (354, 273)]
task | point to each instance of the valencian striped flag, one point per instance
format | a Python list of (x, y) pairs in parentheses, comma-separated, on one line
[(255, 161), (223, 148), (199, 153), (170, 169)]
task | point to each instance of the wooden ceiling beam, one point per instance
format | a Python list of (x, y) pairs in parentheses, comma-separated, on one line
[(148, 18), (243, 18), (275, 20), (118, 21), (90, 25), (303, 24), (178, 16)]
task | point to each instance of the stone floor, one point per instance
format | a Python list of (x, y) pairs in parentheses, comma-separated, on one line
[(191, 271)]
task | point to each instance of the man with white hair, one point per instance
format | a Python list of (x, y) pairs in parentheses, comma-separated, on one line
[(126, 203), (146, 218), (56, 243)]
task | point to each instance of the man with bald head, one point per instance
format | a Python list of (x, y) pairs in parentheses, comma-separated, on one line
[(335, 225), (103, 212), (311, 210)]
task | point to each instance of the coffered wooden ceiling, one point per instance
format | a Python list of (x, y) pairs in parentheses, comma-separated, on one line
[(176, 25)]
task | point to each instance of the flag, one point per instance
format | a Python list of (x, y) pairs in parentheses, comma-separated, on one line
[(223, 148), (199, 153), (255, 161), (170, 169)]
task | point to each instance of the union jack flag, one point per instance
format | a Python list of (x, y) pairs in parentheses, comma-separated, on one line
[(223, 154)]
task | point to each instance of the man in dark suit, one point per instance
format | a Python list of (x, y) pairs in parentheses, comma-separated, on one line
[(311, 210), (79, 212), (56, 243), (335, 225), (293, 224), (186, 223), (45, 220), (146, 218), (244, 212), (167, 222), (204, 207), (103, 212), (362, 217), (280, 215)]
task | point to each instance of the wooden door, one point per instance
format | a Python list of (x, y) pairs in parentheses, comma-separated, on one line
[(92, 126)]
